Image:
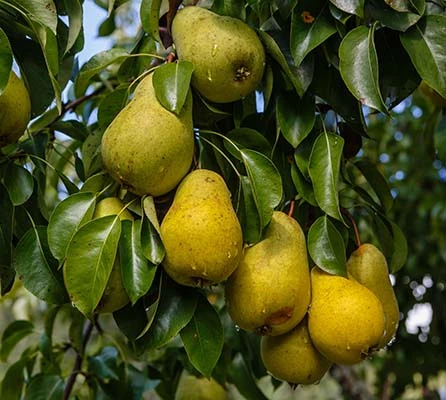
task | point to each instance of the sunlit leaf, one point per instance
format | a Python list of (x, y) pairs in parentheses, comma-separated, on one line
[(150, 15), (355, 7)]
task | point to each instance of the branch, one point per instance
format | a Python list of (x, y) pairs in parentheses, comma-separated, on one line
[(88, 328), (73, 104), (352, 387)]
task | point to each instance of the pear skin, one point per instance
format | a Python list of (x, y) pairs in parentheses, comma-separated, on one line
[(369, 267), (346, 320), (15, 110), (191, 387), (292, 357), (115, 295), (200, 232), (269, 292), (147, 148), (228, 56)]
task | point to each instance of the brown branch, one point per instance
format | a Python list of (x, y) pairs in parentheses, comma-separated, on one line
[(73, 104)]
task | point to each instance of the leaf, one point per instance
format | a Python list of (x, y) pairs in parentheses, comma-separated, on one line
[(45, 387), (5, 60), (73, 9), (247, 138), (303, 187), (358, 64), (44, 12), (176, 307), (400, 249), (399, 21), (203, 337), (151, 244), (132, 319), (89, 261), (425, 44), (137, 272), (111, 104), (150, 15), (355, 7), (95, 65), (37, 268), (171, 83), (12, 335), (104, 365), (326, 247), (295, 116), (13, 380), (310, 26), (265, 182), (67, 217), (247, 213), (324, 166), (19, 183)]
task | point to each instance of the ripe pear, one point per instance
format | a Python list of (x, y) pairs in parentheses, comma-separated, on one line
[(346, 320), (228, 56), (147, 148), (292, 357), (115, 295), (269, 292), (200, 232), (15, 110), (191, 387), (369, 267)]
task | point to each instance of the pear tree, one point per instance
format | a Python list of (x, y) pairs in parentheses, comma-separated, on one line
[(135, 186)]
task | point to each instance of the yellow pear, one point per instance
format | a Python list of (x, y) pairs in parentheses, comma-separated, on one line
[(200, 232), (269, 292), (115, 295), (228, 56), (292, 357), (147, 148), (15, 110), (346, 320), (191, 387), (369, 267)]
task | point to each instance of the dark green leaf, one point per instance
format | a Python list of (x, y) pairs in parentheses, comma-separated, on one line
[(13, 380), (89, 261), (151, 244), (150, 15), (400, 249), (303, 187), (326, 247), (132, 319), (111, 104), (324, 166), (19, 183), (12, 335), (247, 138), (355, 7), (104, 365), (5, 60), (75, 15), (45, 387), (399, 21), (247, 212), (203, 337), (37, 268)]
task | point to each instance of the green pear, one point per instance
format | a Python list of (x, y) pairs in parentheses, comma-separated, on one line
[(346, 320), (292, 357), (15, 110), (269, 292), (200, 232), (369, 267), (115, 295), (228, 56), (147, 148), (191, 387)]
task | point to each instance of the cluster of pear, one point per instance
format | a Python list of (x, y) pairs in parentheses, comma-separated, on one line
[(15, 110)]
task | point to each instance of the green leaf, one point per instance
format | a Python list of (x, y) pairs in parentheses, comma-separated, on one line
[(171, 83), (355, 7), (37, 268), (5, 60), (176, 307), (44, 12), (13, 380), (73, 9), (132, 319), (19, 183), (358, 63), (400, 249), (310, 26), (324, 167), (399, 21), (137, 272), (67, 217), (303, 187), (203, 337), (95, 65), (89, 261), (247, 212), (425, 44), (104, 365), (295, 116), (247, 138), (45, 387), (151, 243), (150, 15), (12, 335), (111, 104), (326, 247)]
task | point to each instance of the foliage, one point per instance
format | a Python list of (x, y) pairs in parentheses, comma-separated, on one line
[(310, 141)]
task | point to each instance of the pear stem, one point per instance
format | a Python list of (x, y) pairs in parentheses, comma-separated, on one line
[(291, 210), (355, 227)]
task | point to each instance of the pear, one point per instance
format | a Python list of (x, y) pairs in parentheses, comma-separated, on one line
[(269, 292), (115, 295), (191, 387), (201, 234), (15, 110), (346, 320), (292, 357), (369, 267), (147, 148), (228, 56)]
